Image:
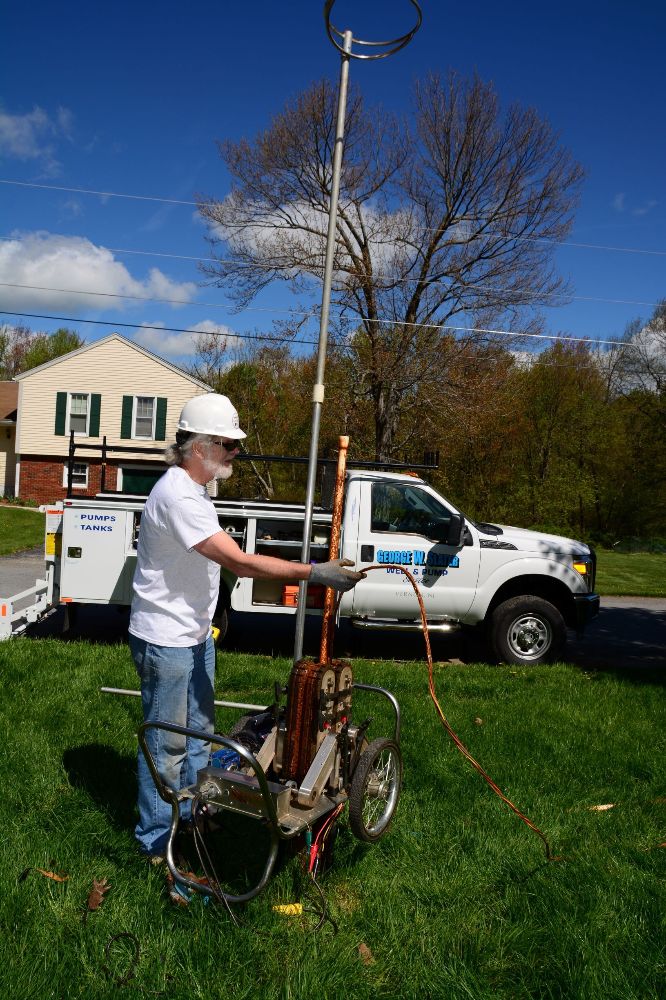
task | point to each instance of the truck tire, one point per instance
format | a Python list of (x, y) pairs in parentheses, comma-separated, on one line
[(526, 631)]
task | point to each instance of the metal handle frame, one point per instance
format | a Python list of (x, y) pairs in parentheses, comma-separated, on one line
[(391, 698), (174, 799)]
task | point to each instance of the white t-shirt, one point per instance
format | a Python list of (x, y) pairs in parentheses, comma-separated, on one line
[(175, 588)]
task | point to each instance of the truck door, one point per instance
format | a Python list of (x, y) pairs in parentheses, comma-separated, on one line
[(397, 523)]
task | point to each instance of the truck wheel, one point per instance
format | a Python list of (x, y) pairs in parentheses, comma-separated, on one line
[(527, 630), (374, 790)]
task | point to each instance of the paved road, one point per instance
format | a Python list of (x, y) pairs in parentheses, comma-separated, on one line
[(628, 636)]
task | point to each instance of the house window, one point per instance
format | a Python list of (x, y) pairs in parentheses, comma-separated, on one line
[(79, 476), (143, 425), (79, 412)]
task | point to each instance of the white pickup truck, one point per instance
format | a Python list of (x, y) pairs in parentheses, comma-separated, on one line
[(526, 588)]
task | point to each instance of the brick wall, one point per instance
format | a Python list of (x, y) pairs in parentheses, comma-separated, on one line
[(41, 478)]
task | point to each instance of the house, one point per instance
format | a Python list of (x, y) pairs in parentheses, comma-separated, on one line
[(111, 389), (8, 404)]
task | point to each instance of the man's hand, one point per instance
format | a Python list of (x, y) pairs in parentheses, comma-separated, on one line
[(334, 574)]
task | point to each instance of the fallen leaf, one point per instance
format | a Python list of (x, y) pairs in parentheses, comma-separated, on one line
[(478, 721), (603, 808), (51, 875), (96, 896), (366, 955)]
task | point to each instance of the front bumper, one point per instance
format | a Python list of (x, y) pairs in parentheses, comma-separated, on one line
[(586, 607)]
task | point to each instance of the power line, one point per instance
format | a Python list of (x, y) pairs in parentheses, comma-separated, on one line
[(470, 331), (148, 298), (377, 276), (281, 340), (160, 329), (195, 204), (102, 194)]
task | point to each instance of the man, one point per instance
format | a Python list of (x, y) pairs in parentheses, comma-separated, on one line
[(180, 551)]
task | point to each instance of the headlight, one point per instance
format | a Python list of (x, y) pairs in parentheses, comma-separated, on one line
[(584, 566)]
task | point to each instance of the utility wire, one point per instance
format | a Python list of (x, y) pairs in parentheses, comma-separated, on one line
[(102, 194), (376, 276), (487, 331), (160, 329), (379, 321), (464, 364), (148, 298), (195, 204)]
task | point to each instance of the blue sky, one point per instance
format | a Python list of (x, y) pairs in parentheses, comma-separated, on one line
[(130, 98)]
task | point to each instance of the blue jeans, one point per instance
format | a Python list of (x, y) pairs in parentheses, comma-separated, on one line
[(177, 686)]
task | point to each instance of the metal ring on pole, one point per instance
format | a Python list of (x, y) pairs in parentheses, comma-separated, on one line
[(392, 45)]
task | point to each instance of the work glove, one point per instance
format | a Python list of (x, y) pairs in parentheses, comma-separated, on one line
[(334, 574)]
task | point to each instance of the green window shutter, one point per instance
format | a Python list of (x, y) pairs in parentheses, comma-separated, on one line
[(61, 413), (160, 419), (126, 422), (95, 408)]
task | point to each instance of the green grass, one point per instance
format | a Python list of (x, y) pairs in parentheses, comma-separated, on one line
[(20, 529), (639, 574), (456, 901)]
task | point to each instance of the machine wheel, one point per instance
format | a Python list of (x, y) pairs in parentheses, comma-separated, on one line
[(527, 631), (374, 790), (221, 622)]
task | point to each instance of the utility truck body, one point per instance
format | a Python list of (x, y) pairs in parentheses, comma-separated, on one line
[(526, 588)]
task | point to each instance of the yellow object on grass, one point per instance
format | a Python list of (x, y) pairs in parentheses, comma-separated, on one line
[(289, 909)]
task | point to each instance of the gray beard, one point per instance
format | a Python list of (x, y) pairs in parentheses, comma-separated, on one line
[(218, 471)]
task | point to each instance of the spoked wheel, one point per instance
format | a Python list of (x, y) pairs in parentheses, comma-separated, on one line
[(374, 790)]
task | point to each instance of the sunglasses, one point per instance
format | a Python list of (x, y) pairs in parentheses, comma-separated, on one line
[(227, 445)]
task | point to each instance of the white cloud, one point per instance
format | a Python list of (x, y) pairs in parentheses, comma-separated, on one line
[(155, 338), (646, 207), (618, 202), (81, 269), (31, 136), (298, 231)]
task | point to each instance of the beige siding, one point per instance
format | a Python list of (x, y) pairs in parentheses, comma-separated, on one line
[(114, 369)]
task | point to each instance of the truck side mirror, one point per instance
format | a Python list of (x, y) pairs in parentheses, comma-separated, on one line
[(448, 532), (455, 532)]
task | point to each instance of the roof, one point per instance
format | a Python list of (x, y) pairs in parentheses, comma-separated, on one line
[(105, 340), (8, 400)]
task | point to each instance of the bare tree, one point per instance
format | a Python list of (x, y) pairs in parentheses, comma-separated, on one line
[(448, 220)]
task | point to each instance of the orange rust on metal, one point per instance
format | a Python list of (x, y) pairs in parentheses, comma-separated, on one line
[(328, 622), (319, 695), (319, 701)]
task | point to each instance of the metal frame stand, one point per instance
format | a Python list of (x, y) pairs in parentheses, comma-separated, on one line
[(344, 42)]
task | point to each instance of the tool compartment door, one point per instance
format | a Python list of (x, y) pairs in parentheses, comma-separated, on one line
[(98, 558), (393, 531)]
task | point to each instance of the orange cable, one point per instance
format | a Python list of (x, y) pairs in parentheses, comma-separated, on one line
[(445, 722)]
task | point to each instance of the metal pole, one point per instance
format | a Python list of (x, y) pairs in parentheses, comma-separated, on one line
[(318, 392)]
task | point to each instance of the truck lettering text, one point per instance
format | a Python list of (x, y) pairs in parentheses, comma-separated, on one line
[(394, 556)]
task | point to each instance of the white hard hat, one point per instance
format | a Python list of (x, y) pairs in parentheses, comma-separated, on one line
[(211, 414)]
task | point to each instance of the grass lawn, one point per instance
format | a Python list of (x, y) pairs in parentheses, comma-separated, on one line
[(456, 901), (639, 574), (20, 529)]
